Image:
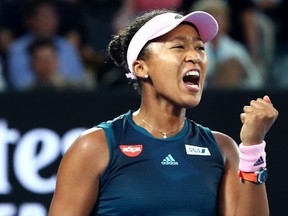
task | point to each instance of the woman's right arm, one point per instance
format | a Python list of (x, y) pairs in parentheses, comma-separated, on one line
[(78, 175)]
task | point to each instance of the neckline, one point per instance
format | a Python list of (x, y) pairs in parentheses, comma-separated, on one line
[(142, 130)]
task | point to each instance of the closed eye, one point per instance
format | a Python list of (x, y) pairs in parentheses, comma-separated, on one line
[(201, 48), (178, 47)]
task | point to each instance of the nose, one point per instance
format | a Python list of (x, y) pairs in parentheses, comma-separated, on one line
[(193, 57)]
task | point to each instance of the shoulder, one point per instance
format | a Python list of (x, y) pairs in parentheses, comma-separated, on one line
[(62, 43), (20, 43), (90, 149), (228, 147), (91, 139)]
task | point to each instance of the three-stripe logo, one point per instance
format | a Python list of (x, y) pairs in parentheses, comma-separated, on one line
[(169, 160)]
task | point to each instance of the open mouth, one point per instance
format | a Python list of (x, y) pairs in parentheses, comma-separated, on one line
[(192, 78)]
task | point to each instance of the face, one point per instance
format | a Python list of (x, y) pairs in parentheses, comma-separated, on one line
[(45, 21), (44, 62), (177, 66)]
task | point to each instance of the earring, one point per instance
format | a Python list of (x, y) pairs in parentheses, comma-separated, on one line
[(146, 76)]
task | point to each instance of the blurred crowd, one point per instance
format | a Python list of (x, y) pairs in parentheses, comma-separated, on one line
[(61, 45)]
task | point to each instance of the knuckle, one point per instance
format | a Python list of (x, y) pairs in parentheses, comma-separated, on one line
[(276, 112)]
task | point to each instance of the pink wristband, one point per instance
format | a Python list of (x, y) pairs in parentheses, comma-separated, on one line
[(252, 158)]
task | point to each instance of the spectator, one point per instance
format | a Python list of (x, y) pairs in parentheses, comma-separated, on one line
[(93, 61), (243, 24), (230, 65), (44, 63), (266, 29), (258, 33), (41, 20)]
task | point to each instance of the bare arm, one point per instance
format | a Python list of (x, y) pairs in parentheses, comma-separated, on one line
[(78, 175), (230, 184), (237, 197)]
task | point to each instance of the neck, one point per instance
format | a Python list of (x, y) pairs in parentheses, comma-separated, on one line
[(158, 123)]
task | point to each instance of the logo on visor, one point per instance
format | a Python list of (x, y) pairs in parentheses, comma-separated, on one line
[(178, 16)]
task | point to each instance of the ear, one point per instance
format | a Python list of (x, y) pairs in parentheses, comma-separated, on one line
[(140, 68)]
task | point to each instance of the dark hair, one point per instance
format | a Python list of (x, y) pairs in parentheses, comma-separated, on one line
[(41, 42), (118, 46)]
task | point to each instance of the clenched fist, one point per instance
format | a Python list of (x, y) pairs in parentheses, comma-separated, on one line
[(257, 119)]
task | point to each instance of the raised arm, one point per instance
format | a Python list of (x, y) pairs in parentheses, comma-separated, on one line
[(78, 175), (238, 196)]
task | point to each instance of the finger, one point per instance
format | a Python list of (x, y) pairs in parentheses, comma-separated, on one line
[(267, 99), (242, 117), (247, 109), (260, 104)]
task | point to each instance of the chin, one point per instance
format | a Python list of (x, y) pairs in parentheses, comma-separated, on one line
[(191, 103)]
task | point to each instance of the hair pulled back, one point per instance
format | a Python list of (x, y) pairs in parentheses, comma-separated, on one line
[(118, 46)]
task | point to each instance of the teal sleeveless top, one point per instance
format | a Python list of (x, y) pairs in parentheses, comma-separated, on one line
[(176, 176)]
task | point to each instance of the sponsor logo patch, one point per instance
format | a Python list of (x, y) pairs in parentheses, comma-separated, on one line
[(131, 150), (196, 150)]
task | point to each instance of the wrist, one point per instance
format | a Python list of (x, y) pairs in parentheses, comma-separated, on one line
[(252, 142), (257, 177), (252, 158)]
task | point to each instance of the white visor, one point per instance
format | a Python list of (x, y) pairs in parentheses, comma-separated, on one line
[(159, 25)]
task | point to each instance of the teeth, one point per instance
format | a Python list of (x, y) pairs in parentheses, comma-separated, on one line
[(192, 73)]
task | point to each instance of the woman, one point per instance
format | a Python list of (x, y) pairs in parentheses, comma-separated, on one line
[(154, 161)]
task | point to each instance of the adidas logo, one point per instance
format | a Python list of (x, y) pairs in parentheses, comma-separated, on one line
[(169, 160), (259, 162)]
